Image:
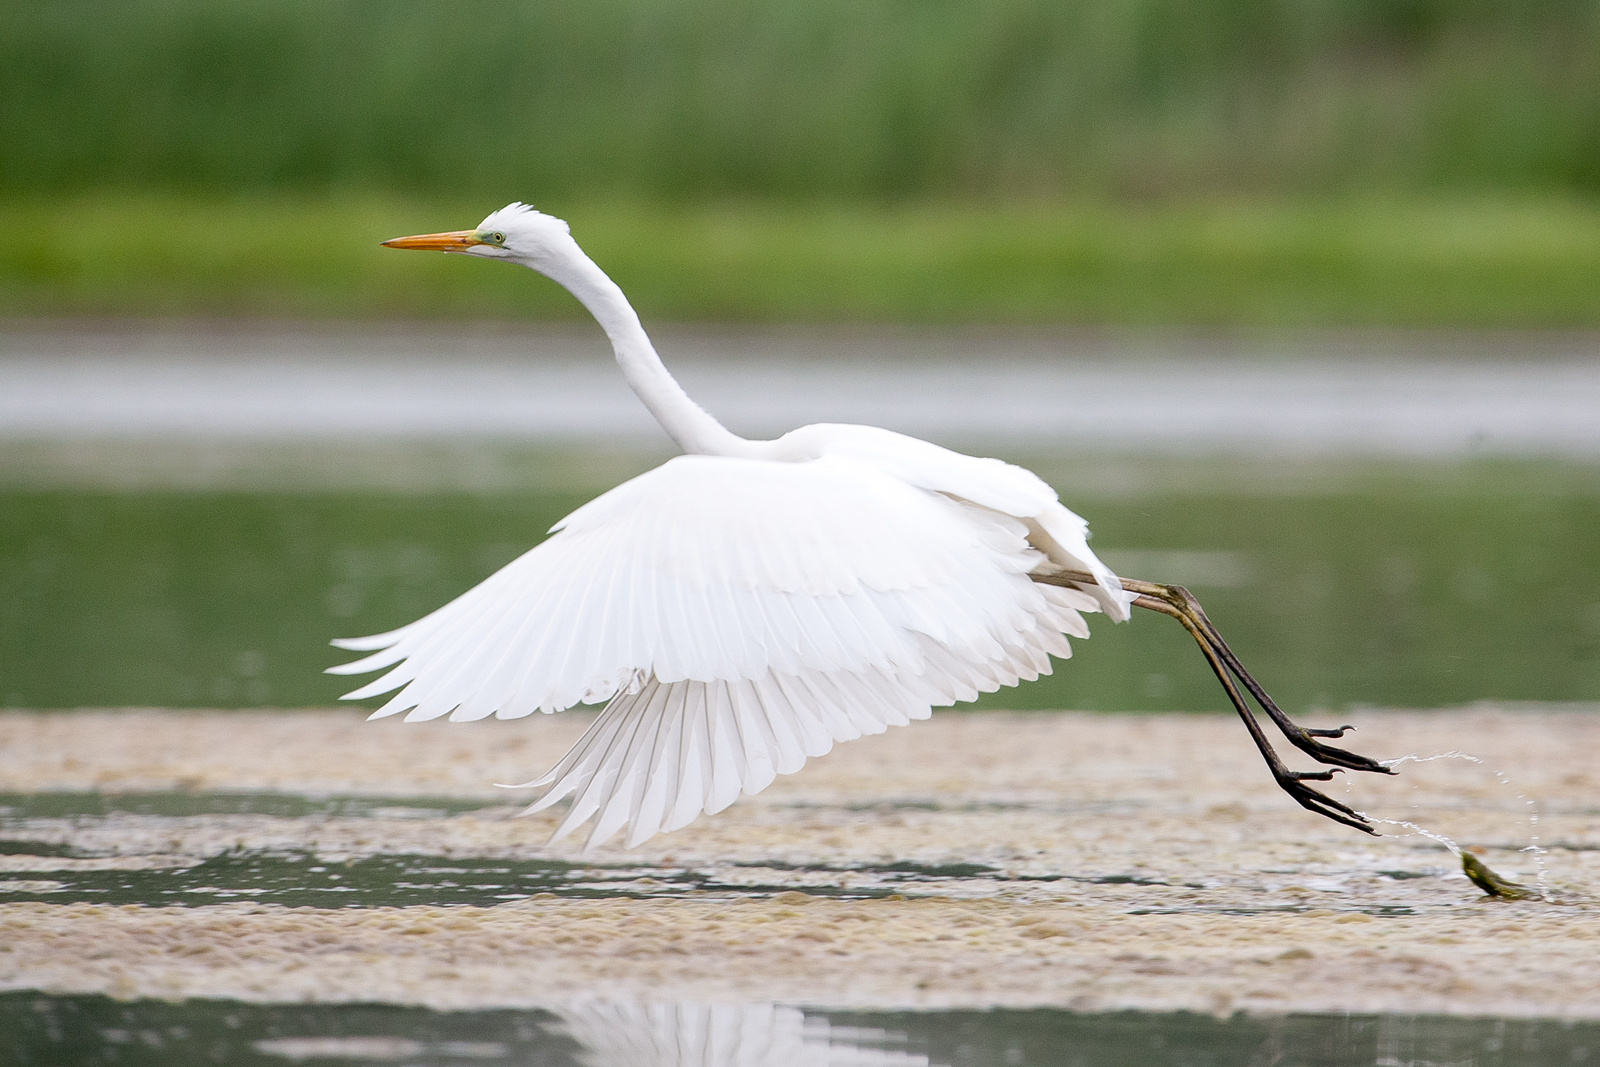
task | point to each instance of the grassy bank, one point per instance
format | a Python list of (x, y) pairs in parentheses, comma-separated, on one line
[(1401, 262)]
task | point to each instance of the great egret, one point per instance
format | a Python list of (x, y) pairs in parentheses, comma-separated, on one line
[(748, 604)]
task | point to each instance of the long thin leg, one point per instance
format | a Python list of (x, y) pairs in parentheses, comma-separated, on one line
[(1291, 782), (1178, 603), (1299, 736)]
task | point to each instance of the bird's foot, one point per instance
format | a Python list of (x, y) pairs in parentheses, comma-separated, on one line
[(1293, 783), (1306, 741), (1178, 603)]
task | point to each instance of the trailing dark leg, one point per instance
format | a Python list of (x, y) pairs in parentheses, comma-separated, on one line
[(1177, 602), (1291, 782), (1302, 738)]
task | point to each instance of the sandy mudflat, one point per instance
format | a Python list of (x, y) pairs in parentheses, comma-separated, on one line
[(1142, 862)]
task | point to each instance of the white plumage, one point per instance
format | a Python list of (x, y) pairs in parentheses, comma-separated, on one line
[(614, 1033), (745, 606)]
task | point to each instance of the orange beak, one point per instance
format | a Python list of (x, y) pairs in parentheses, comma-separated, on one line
[(454, 241)]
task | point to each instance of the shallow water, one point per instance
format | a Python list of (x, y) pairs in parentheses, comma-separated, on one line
[(1414, 535), (1392, 583), (300, 877), (1090, 862), (295, 851), (38, 1030), (299, 880)]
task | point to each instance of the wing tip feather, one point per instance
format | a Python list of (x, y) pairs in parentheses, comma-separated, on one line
[(372, 643)]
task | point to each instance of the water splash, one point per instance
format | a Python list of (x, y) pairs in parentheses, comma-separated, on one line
[(1414, 758), (1533, 848), (1455, 849)]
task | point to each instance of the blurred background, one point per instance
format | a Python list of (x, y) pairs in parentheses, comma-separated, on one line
[(1295, 301)]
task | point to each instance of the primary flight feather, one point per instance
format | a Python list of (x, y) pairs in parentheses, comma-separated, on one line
[(746, 605)]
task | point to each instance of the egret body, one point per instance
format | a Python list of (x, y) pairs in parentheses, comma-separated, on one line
[(748, 604)]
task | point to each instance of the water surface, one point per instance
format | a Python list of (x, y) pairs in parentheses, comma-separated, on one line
[(37, 1030), (1390, 582), (1373, 394)]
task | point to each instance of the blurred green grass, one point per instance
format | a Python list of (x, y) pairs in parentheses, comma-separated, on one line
[(691, 99), (1198, 162), (1459, 262)]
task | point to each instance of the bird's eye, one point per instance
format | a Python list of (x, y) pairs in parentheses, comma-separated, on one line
[(499, 238)]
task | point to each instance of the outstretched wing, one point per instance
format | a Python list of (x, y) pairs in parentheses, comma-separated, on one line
[(740, 615)]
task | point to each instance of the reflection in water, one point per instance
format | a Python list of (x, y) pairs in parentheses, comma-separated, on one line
[(616, 1033), (41, 1030)]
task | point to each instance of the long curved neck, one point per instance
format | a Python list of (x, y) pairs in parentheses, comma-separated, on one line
[(686, 422)]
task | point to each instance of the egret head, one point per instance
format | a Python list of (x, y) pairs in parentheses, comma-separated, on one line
[(515, 232)]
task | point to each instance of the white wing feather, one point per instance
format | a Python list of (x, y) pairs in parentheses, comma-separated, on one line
[(742, 616), (991, 483)]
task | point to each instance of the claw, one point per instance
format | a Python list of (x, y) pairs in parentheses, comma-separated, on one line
[(1355, 822), (1326, 806), (1340, 732), (1316, 776), (1329, 754)]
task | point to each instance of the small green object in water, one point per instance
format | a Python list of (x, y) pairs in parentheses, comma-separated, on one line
[(1492, 883)]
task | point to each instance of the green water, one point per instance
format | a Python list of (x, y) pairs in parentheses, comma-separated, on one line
[(44, 1031), (1402, 584)]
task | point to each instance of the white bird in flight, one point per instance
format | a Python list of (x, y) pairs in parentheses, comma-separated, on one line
[(744, 606)]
